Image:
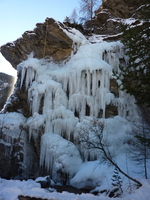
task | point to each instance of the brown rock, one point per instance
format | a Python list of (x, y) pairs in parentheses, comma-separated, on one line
[(19, 103), (114, 88), (111, 111), (108, 17), (121, 8), (47, 39)]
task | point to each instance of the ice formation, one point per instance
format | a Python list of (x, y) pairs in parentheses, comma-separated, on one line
[(61, 96), (61, 157), (11, 126)]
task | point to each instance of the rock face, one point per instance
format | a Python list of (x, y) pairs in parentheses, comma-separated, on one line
[(121, 8), (46, 40), (6, 86), (108, 17)]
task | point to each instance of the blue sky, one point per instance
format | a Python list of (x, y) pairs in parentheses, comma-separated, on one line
[(17, 16)]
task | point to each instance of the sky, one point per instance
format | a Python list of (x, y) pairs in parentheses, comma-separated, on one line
[(18, 16)]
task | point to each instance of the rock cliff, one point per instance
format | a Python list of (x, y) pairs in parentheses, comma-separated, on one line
[(110, 14), (46, 40)]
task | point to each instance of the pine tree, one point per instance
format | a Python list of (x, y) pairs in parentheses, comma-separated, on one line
[(117, 184), (136, 40), (139, 148)]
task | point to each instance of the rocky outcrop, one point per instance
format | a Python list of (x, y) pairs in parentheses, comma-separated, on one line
[(6, 86), (46, 40), (120, 8), (108, 17), (18, 102)]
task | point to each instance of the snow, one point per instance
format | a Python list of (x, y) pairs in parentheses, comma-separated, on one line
[(11, 189), (10, 122), (77, 37), (92, 174), (129, 21)]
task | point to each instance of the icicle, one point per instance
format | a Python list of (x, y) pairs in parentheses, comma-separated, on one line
[(71, 85), (94, 83), (83, 82), (36, 100), (29, 77), (60, 154), (78, 82), (65, 83), (89, 82), (23, 72)]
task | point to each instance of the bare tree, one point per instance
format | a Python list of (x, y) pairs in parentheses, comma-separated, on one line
[(74, 16), (91, 137), (87, 8)]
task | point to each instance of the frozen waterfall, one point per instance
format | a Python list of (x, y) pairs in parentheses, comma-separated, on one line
[(61, 97)]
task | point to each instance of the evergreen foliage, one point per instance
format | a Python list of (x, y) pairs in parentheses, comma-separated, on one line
[(117, 183), (139, 147), (74, 24), (139, 152), (136, 39)]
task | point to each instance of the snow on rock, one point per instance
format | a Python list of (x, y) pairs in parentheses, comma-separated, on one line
[(59, 155), (11, 123), (77, 37), (129, 21), (12, 139)]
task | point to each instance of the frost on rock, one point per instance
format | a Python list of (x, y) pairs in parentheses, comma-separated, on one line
[(10, 123), (12, 135), (62, 95)]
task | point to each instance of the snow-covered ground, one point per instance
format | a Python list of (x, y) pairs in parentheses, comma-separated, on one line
[(10, 190)]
